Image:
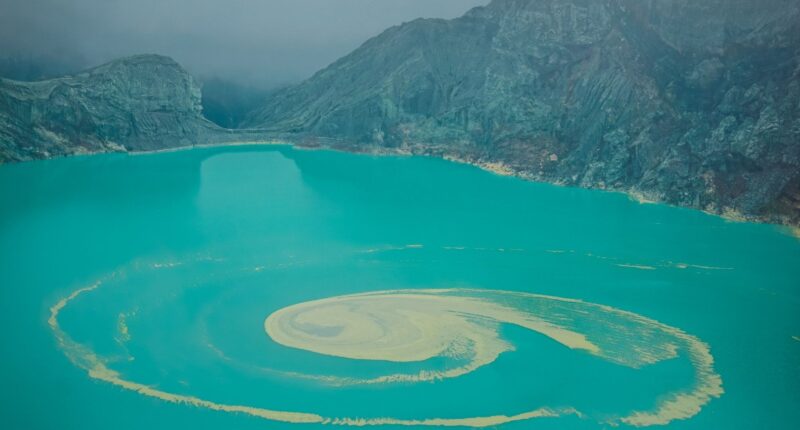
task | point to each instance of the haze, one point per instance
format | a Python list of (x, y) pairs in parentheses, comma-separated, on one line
[(263, 43)]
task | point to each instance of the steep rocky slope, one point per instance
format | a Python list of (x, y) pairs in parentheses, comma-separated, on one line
[(695, 103), (144, 102)]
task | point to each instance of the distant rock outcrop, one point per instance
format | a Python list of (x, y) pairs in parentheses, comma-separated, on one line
[(138, 103), (695, 103)]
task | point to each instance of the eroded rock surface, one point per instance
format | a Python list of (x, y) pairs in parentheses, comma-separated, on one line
[(695, 103), (145, 102)]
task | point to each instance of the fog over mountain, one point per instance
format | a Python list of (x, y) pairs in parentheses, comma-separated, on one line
[(689, 103), (264, 43)]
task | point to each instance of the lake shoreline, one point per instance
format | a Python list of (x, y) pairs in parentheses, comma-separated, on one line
[(495, 167), (529, 287)]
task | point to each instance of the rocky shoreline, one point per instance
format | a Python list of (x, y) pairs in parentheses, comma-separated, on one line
[(621, 95), (497, 168), (691, 104)]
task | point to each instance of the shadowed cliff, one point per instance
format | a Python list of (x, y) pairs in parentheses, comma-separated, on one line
[(139, 103)]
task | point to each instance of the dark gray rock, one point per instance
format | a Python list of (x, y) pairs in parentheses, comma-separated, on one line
[(146, 102), (694, 103)]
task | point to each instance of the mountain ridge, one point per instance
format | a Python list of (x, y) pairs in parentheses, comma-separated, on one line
[(137, 103), (693, 104), (686, 103)]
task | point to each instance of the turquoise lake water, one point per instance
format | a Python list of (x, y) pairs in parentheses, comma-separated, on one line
[(135, 290)]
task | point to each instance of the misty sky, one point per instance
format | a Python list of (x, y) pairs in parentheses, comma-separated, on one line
[(262, 42)]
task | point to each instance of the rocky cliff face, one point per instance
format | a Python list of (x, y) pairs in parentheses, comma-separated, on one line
[(695, 103), (144, 102)]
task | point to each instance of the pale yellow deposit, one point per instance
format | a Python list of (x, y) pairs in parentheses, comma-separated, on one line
[(416, 325)]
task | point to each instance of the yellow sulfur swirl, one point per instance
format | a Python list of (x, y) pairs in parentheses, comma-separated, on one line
[(416, 325), (408, 326)]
